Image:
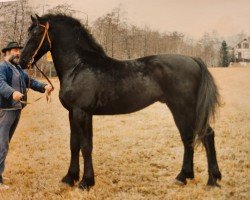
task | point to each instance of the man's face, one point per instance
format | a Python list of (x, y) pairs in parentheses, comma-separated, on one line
[(13, 56)]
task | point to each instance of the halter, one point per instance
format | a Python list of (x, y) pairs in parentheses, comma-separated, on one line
[(30, 64), (45, 33)]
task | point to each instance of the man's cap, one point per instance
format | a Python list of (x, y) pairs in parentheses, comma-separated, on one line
[(11, 45)]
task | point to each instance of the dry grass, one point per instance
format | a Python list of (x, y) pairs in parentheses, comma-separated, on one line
[(136, 156)]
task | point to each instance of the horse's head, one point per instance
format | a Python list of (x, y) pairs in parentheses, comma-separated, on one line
[(37, 43)]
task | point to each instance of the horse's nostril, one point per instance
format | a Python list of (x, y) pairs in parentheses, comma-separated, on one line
[(23, 61)]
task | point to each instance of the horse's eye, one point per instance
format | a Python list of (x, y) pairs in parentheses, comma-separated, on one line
[(35, 32)]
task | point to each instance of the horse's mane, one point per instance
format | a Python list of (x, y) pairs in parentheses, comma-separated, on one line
[(77, 25)]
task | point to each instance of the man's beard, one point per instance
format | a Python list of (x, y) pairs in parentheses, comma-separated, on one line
[(14, 60)]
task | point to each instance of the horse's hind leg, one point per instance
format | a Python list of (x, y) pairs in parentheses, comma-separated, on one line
[(213, 169), (185, 126), (73, 172)]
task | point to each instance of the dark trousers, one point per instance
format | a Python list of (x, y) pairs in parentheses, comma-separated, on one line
[(8, 123)]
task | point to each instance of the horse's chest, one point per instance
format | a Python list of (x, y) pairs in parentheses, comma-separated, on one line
[(77, 95), (65, 96)]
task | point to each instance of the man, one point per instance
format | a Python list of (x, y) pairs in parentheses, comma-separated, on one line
[(13, 84)]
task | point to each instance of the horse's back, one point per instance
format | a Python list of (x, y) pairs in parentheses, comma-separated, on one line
[(143, 81)]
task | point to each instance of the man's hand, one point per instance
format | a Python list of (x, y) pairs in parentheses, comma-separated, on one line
[(48, 89), (17, 96)]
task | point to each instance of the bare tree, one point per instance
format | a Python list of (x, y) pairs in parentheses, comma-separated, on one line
[(62, 9), (118, 38), (14, 23)]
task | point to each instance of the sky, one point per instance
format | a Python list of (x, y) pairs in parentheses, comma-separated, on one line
[(191, 17)]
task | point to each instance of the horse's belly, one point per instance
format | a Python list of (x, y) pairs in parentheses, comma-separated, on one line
[(122, 109), (126, 105)]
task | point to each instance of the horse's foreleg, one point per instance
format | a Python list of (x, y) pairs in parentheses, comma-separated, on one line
[(73, 172), (86, 145)]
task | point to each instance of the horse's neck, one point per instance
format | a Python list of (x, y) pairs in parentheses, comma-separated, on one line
[(67, 54), (62, 62), (66, 60)]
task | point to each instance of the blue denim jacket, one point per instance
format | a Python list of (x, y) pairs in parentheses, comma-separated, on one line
[(6, 90)]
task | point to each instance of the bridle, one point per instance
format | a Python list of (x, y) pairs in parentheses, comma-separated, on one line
[(45, 33), (31, 62)]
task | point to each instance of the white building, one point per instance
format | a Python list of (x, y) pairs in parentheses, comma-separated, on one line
[(241, 51)]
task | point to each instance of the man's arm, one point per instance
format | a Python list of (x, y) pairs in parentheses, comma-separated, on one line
[(5, 90), (34, 84), (37, 86)]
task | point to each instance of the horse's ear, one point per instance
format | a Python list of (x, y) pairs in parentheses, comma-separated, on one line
[(34, 20), (38, 18)]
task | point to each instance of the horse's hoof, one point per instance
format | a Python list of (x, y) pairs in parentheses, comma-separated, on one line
[(180, 183), (181, 179), (83, 186), (213, 183), (68, 180), (213, 177), (86, 183)]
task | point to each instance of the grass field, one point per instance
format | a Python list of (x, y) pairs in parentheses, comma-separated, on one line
[(136, 156)]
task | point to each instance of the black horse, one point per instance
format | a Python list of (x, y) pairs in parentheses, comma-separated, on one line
[(91, 83)]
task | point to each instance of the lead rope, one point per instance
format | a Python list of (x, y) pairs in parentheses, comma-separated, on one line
[(48, 95)]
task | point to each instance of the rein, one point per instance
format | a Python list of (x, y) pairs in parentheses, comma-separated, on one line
[(31, 64)]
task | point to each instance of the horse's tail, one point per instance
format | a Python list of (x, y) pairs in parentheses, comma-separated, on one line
[(208, 100)]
